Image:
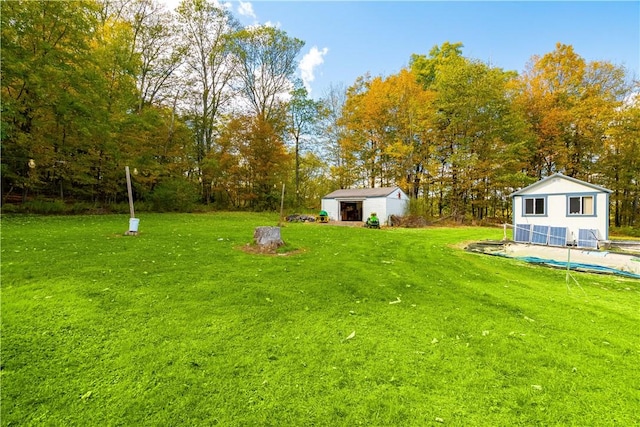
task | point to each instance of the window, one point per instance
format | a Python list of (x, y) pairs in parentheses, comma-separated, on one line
[(581, 205), (534, 206)]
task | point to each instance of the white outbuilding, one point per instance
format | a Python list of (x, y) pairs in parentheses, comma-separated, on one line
[(358, 204), (560, 210)]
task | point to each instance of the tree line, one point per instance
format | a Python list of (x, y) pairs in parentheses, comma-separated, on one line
[(206, 111), (461, 135)]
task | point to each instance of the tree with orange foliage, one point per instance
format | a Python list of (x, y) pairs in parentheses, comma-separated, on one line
[(249, 164), (569, 104)]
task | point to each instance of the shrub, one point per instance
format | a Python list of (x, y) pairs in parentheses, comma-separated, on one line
[(174, 195), (625, 231), (8, 208), (46, 207), (82, 208)]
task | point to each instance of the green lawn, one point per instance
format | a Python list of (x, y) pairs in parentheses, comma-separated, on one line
[(179, 326)]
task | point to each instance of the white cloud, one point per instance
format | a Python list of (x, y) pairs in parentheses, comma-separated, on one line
[(173, 4), (246, 9), (309, 62), (272, 24)]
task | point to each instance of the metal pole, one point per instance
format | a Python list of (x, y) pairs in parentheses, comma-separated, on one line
[(568, 264), (126, 169)]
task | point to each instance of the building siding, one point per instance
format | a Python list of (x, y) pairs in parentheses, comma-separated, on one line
[(383, 206), (556, 192)]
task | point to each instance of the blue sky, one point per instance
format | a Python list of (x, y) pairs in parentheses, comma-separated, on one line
[(345, 40)]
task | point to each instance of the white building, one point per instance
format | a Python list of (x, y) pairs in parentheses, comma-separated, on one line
[(358, 204), (559, 211)]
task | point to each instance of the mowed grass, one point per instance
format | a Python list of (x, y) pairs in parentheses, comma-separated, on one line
[(391, 327)]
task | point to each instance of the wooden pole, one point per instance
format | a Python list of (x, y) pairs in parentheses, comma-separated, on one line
[(126, 169), (282, 202)]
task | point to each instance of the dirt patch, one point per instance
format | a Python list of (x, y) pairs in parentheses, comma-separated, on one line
[(346, 223), (268, 250)]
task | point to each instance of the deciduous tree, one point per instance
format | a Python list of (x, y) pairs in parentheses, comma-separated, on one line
[(302, 117), (207, 28), (49, 118), (266, 61)]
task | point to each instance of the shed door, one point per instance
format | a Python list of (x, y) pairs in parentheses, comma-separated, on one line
[(350, 211)]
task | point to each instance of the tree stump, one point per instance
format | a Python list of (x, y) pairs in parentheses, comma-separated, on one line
[(268, 237)]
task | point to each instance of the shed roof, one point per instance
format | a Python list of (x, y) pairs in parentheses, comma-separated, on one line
[(559, 175), (361, 192)]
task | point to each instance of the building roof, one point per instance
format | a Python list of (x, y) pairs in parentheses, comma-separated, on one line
[(559, 175), (361, 192)]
